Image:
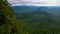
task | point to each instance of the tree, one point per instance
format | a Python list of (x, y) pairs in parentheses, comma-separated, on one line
[(7, 19)]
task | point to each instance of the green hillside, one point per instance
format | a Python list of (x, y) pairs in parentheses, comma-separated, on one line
[(36, 22)]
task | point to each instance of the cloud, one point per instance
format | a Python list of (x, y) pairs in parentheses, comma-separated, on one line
[(25, 1), (35, 2)]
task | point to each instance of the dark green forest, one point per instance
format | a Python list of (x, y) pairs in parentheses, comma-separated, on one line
[(38, 23), (29, 22)]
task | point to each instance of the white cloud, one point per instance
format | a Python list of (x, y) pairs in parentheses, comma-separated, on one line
[(35, 2)]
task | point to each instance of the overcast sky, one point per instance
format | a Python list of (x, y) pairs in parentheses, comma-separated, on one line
[(35, 2)]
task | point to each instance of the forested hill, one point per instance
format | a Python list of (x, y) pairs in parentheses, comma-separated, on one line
[(39, 19), (51, 11)]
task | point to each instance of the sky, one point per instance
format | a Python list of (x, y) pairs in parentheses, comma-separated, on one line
[(35, 2)]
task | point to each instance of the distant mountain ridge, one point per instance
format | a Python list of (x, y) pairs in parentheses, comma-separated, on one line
[(29, 8), (25, 8), (52, 11)]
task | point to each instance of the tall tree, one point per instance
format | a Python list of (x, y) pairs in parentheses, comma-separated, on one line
[(7, 20)]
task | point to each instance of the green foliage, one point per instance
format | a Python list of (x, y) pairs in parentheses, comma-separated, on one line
[(8, 23)]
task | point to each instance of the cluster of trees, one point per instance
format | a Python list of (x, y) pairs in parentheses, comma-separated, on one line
[(8, 23)]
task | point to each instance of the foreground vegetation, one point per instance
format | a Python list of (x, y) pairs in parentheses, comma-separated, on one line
[(8, 23)]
